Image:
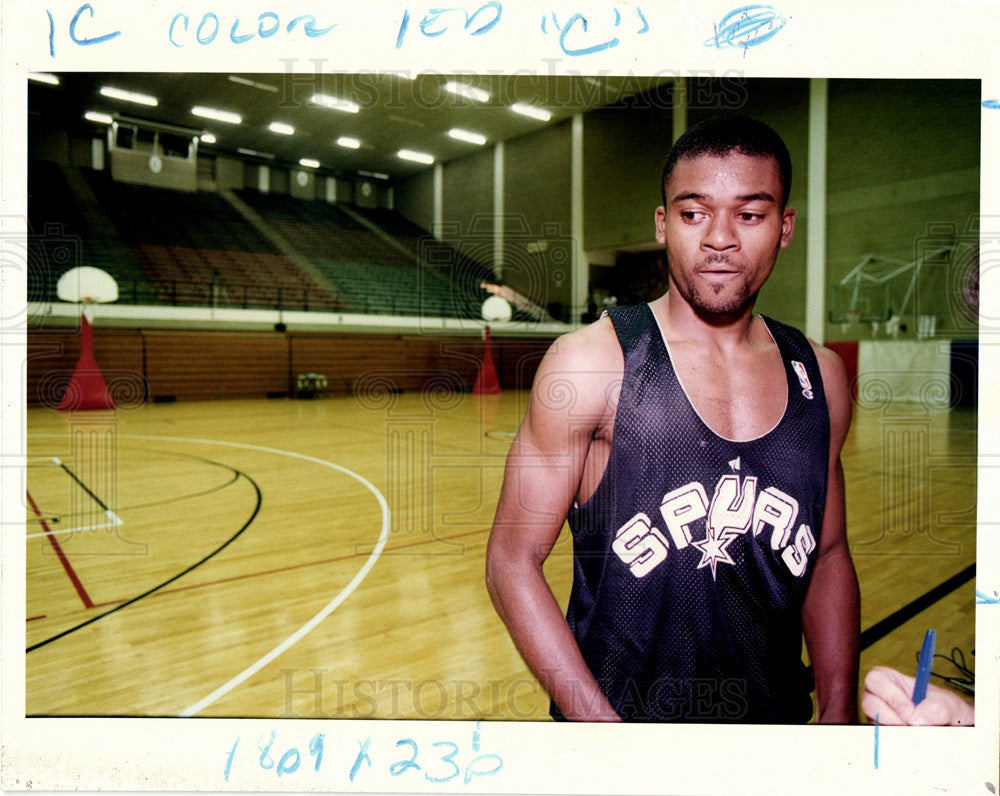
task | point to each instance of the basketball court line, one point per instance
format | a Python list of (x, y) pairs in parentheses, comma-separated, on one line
[(114, 521), (885, 626), (328, 609), (161, 585), (331, 606), (868, 637), (899, 617), (292, 567), (70, 572), (82, 485), (308, 626)]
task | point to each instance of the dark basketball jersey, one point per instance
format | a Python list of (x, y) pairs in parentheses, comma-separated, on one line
[(692, 558)]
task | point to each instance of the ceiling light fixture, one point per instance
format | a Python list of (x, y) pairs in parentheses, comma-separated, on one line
[(467, 91), (282, 128), (467, 136), (530, 110), (97, 116), (43, 77), (217, 115), (129, 96), (348, 143), (378, 175), (255, 153), (309, 163), (404, 120), (416, 157), (252, 83), (336, 103), (207, 138)]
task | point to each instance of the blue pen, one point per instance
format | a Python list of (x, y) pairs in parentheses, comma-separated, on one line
[(924, 668)]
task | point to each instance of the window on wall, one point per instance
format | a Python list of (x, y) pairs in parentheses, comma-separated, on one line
[(125, 136), (136, 138), (176, 146)]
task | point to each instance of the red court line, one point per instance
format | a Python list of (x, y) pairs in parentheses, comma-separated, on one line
[(33, 618), (292, 567), (62, 556)]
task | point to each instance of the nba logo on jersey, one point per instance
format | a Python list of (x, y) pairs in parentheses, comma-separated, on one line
[(800, 371)]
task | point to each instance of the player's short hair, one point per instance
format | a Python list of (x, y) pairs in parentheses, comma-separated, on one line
[(722, 135)]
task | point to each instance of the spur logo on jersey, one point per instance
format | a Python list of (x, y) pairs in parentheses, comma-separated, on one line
[(800, 371), (736, 509)]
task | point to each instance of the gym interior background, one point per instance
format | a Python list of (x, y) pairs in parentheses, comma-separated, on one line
[(251, 281)]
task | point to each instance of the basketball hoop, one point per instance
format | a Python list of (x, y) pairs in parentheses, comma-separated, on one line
[(850, 317), (88, 286), (497, 308)]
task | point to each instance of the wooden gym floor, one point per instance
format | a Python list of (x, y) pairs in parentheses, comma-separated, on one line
[(324, 558)]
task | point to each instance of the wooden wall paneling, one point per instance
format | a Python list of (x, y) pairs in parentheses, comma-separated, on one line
[(160, 365), (199, 365), (343, 359), (51, 357)]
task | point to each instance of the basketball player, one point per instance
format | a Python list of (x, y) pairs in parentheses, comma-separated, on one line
[(695, 448)]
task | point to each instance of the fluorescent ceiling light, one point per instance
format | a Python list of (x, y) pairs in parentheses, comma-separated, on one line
[(254, 153), (336, 103), (97, 116), (281, 127), (207, 138), (467, 91), (43, 77), (309, 163), (349, 143), (467, 135), (404, 120), (129, 96), (252, 83), (219, 116), (416, 157), (530, 110), (378, 175)]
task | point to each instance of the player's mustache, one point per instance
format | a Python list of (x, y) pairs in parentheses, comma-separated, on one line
[(719, 258)]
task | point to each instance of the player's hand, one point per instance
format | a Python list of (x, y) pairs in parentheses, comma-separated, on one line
[(889, 695)]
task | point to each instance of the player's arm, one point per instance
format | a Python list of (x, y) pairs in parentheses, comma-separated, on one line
[(831, 612), (541, 479)]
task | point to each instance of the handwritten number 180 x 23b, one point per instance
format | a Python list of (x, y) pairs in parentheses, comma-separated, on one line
[(443, 762)]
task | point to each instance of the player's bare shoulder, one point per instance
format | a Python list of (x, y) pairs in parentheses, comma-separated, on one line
[(585, 367), (589, 347), (831, 367), (836, 384)]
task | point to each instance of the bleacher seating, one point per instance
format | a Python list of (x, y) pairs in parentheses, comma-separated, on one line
[(372, 274), (321, 229), (165, 246), (394, 289), (62, 236), (451, 263), (197, 249)]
